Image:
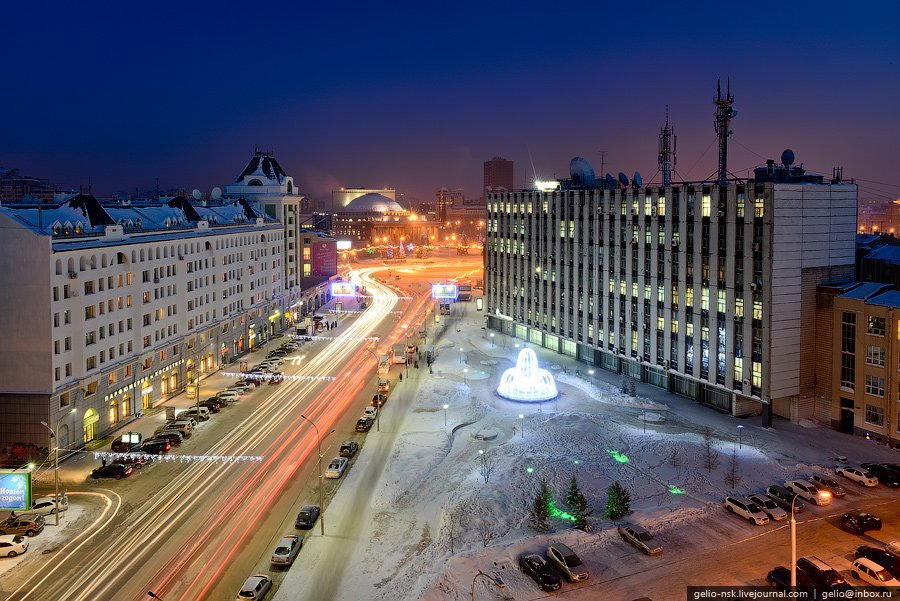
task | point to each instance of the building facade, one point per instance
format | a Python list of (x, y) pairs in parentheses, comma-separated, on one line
[(111, 309), (704, 290), (498, 175)]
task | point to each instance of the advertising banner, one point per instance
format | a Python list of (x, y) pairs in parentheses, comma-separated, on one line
[(15, 490), (444, 291), (324, 258), (343, 289)]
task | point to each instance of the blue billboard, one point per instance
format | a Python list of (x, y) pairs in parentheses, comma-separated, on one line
[(15, 490), (444, 291)]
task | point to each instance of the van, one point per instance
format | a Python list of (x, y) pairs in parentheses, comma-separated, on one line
[(823, 575), (784, 498), (746, 509)]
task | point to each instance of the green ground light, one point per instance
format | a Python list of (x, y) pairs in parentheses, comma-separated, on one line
[(675, 490), (620, 457), (530, 470), (558, 513)]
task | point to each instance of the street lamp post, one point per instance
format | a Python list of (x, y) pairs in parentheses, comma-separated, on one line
[(793, 545), (522, 417), (740, 436), (445, 414), (321, 483), (644, 419), (55, 436), (495, 580)]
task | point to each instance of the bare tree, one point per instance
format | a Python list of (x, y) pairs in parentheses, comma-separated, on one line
[(453, 526), (711, 456), (675, 458), (488, 463), (486, 531), (731, 477)]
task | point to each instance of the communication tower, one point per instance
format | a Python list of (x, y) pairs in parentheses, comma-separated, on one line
[(724, 115)]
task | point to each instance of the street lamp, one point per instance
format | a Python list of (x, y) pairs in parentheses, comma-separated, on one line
[(321, 481), (591, 374), (55, 436), (740, 436), (793, 545), (644, 419), (446, 406), (522, 417), (495, 580)]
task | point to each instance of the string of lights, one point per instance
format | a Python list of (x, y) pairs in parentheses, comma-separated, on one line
[(114, 457)]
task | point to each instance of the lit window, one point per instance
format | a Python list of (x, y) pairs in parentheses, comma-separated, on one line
[(874, 385)]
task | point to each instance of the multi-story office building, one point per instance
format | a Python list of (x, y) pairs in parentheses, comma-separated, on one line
[(108, 310), (704, 289), (498, 175)]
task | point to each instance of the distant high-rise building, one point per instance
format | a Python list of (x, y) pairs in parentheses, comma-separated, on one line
[(16, 188), (498, 175), (447, 198)]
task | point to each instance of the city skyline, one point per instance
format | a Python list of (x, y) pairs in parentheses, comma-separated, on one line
[(377, 99)]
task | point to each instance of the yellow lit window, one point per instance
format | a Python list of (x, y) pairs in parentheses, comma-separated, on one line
[(704, 298), (705, 205)]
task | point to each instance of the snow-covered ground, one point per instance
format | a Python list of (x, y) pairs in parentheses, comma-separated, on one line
[(436, 520)]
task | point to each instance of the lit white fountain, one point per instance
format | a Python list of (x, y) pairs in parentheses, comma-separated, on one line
[(526, 381)]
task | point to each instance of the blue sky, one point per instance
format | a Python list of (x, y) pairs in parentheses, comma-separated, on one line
[(415, 97)]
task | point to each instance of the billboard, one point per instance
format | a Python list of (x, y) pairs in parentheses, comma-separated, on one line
[(324, 257), (343, 289), (344, 244), (15, 490), (443, 291)]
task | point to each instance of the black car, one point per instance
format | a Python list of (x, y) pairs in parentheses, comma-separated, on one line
[(174, 437), (156, 446), (378, 400), (889, 561), (307, 517), (136, 461), (860, 522), (821, 575), (780, 578), (276, 378), (364, 424), (113, 470), (885, 475), (349, 448), (213, 406), (540, 571)]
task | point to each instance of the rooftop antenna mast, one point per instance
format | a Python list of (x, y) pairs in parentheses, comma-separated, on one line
[(667, 146), (602, 160), (724, 115)]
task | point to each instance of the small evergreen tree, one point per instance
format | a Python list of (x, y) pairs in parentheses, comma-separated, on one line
[(633, 389), (624, 385), (577, 503), (574, 492), (540, 512), (618, 501)]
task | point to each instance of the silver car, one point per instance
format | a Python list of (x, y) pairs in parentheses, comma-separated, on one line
[(286, 550), (641, 538), (255, 588), (567, 561), (336, 467)]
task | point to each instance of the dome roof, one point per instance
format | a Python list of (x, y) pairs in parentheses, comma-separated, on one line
[(372, 203)]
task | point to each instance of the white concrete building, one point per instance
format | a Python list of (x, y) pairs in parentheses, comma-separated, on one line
[(108, 310), (704, 290)]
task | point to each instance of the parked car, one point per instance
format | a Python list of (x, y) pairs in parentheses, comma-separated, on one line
[(251, 382), (822, 575), (881, 557), (769, 507), (858, 475), (872, 573), (112, 470), (364, 424), (784, 498), (336, 468), (640, 537), (29, 525), (276, 378), (307, 516), (174, 437), (567, 562), (199, 414), (780, 578), (540, 571), (378, 400), (12, 545), (349, 448), (242, 386), (742, 507), (371, 412), (806, 491), (182, 427), (213, 406), (134, 441), (45, 506), (229, 396), (384, 385), (156, 446), (829, 484), (137, 460), (286, 550), (255, 588), (885, 475), (893, 548), (860, 522)]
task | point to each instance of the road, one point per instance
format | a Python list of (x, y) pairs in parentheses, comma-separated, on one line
[(194, 529)]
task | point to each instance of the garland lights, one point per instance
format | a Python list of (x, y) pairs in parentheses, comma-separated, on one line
[(146, 458)]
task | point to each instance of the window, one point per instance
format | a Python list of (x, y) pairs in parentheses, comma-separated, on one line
[(874, 415), (874, 385), (91, 363), (90, 338), (875, 355), (89, 312), (848, 351), (876, 326)]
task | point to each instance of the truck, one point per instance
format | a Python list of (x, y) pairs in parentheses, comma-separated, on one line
[(384, 364), (398, 354)]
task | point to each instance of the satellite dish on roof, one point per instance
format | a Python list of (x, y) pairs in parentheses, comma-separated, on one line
[(216, 193), (196, 194), (623, 179), (638, 180), (610, 180), (581, 171), (787, 157)]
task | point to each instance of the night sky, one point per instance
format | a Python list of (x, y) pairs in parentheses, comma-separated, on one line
[(416, 97)]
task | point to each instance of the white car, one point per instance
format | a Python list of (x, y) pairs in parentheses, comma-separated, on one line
[(808, 492), (229, 396), (242, 386), (45, 506), (769, 507), (858, 475), (12, 545), (746, 509), (872, 574), (255, 588), (370, 412), (336, 467)]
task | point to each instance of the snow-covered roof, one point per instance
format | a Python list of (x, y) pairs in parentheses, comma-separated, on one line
[(887, 253), (887, 299), (372, 203), (264, 168), (865, 290)]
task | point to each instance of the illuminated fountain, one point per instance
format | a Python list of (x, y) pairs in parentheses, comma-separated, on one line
[(526, 381)]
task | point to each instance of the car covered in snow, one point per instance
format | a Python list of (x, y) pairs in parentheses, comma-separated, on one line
[(567, 562), (640, 537), (336, 468), (540, 571)]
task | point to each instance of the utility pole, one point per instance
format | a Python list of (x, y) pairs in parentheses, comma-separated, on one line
[(724, 114)]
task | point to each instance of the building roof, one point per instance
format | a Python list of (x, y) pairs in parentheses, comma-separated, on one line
[(263, 166), (887, 253), (866, 290), (890, 298), (372, 203)]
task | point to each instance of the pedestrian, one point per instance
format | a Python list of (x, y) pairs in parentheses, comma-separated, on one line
[(430, 370), (401, 377)]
